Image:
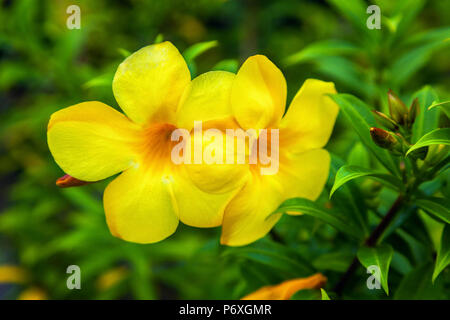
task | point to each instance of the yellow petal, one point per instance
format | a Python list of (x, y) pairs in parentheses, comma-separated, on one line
[(258, 95), (140, 207), (311, 116), (12, 274), (286, 289), (197, 208), (149, 83), (304, 175), (91, 141), (111, 277), (248, 217), (207, 98), (214, 166), (33, 293)]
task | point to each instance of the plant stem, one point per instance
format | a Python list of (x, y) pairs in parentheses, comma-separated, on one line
[(371, 241)]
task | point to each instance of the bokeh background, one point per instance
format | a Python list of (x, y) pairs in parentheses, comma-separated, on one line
[(44, 67)]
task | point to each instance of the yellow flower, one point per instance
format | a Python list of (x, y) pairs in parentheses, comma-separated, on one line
[(33, 293), (91, 141), (12, 274), (286, 289), (258, 98)]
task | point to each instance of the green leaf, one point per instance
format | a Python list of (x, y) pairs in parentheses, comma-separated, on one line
[(230, 65), (438, 207), (324, 294), (197, 49), (354, 11), (359, 156), (443, 256), (381, 257), (417, 285), (345, 71), (426, 120), (410, 62), (308, 207), (361, 119), (347, 173), (437, 136), (320, 49), (334, 261), (445, 106)]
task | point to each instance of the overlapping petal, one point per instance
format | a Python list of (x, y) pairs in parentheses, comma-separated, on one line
[(91, 141), (311, 116), (140, 206), (149, 83), (248, 217), (196, 207), (258, 96), (207, 98)]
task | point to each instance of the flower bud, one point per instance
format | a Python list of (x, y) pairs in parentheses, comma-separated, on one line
[(397, 108), (384, 120), (68, 181), (387, 140)]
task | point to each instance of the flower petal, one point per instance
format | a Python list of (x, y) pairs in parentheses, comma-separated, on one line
[(206, 98), (311, 116), (258, 96), (140, 207), (197, 208), (149, 83), (304, 175), (286, 289), (91, 141), (248, 217)]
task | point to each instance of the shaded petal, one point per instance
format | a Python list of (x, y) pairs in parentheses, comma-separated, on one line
[(140, 207), (248, 217), (197, 208), (218, 170), (311, 116), (91, 141), (258, 96), (149, 83), (286, 289), (207, 98)]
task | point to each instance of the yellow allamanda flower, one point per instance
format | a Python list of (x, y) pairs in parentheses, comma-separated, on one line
[(258, 98), (286, 289), (91, 141)]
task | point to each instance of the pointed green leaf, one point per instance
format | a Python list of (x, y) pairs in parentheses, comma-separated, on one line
[(443, 257), (437, 136), (320, 49), (308, 207), (381, 257), (197, 49), (426, 120), (362, 120), (438, 207), (324, 295), (347, 173)]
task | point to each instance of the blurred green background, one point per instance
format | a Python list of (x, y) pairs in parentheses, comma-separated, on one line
[(44, 67)]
